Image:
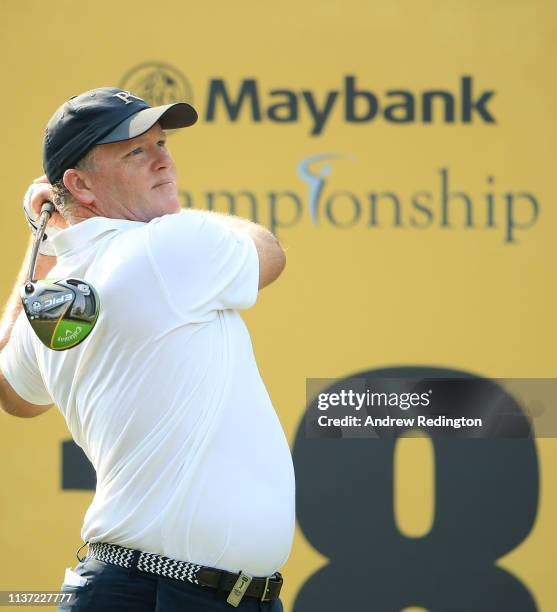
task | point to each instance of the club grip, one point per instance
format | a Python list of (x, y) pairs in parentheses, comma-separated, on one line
[(47, 207)]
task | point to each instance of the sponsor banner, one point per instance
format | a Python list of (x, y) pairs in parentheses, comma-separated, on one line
[(436, 203)]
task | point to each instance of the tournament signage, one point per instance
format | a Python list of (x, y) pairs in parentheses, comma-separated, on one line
[(350, 104), (440, 201)]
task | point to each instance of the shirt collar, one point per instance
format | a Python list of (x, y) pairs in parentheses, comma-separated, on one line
[(78, 235)]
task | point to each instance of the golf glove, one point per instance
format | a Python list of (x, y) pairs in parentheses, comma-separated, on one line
[(46, 247)]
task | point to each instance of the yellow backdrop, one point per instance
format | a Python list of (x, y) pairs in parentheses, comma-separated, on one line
[(402, 152)]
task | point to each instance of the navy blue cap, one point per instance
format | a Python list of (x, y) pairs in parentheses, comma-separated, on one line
[(101, 116)]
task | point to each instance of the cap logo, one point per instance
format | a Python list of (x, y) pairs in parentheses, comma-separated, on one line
[(125, 97)]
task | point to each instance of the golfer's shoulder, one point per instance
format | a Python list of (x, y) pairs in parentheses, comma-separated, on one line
[(188, 229)]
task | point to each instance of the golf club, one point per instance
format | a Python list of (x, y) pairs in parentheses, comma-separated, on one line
[(61, 312)]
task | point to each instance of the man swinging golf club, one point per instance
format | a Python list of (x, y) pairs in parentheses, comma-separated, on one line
[(194, 505)]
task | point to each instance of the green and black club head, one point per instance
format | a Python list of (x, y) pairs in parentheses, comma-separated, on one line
[(62, 313)]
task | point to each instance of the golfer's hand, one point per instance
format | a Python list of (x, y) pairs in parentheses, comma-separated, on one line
[(39, 192)]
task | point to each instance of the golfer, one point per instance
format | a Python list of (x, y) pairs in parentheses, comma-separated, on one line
[(194, 504)]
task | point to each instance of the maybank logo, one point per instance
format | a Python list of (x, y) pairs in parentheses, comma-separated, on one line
[(351, 100), (157, 83)]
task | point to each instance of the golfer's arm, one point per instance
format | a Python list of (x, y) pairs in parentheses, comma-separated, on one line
[(272, 257), (10, 401)]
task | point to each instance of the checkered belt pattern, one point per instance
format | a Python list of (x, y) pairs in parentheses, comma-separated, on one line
[(264, 589), (150, 563)]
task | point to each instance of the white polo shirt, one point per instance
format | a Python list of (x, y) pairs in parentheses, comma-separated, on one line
[(165, 397)]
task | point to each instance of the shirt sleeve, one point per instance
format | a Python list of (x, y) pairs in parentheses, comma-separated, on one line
[(18, 363), (202, 264)]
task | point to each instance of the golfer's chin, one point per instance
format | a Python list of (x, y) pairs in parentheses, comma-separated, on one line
[(166, 204)]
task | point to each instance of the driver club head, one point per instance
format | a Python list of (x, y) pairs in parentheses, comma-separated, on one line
[(62, 313)]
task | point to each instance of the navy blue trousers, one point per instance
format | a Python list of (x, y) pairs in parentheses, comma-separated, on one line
[(111, 588)]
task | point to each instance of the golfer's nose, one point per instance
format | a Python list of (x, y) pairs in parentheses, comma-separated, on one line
[(162, 159)]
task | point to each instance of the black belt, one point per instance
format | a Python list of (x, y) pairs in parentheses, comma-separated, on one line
[(264, 589)]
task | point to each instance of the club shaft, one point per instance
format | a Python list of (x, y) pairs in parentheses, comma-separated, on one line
[(46, 210)]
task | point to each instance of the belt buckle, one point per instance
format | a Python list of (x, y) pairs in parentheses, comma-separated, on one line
[(265, 590), (276, 577)]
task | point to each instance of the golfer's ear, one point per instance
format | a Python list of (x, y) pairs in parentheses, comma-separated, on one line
[(78, 183)]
